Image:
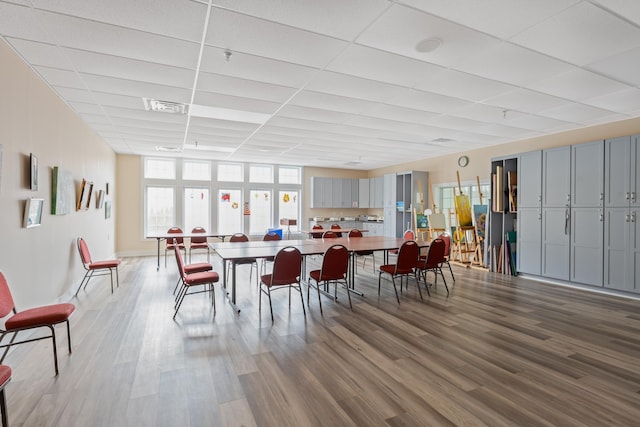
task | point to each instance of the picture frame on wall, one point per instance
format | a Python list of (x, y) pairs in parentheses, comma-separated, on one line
[(33, 172), (86, 188), (100, 199), (107, 210), (33, 213)]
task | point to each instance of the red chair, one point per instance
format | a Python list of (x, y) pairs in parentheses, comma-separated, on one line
[(433, 262), (287, 267), (179, 240), (38, 317), (404, 267), (363, 254), (266, 238), (447, 252), (241, 237), (336, 227), (201, 278), (317, 235), (408, 235), (5, 377), (329, 235), (198, 242), (97, 268), (335, 264)]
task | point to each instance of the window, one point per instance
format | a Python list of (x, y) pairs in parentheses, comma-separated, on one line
[(261, 174), (289, 207), (230, 172), (289, 175), (447, 202), (160, 168), (196, 171), (260, 205), (160, 212), (196, 208), (229, 211)]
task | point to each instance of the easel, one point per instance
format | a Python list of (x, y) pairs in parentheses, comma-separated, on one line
[(421, 232), (465, 238), (477, 255), (437, 224)]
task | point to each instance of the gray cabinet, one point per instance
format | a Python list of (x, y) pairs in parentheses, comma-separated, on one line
[(587, 175), (621, 237), (321, 192), (587, 228), (556, 214), (529, 239), (376, 192), (504, 213), (364, 193)]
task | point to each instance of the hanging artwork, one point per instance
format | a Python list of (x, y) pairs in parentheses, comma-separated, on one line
[(107, 210), (225, 197), (480, 217), (33, 213), (286, 198), (85, 195), (246, 211), (62, 191), (33, 162)]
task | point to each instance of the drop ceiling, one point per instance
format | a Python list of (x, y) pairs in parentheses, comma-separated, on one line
[(331, 83)]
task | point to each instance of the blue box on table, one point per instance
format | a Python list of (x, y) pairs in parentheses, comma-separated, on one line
[(278, 231)]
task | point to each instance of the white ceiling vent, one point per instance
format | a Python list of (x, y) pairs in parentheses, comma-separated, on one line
[(164, 106)]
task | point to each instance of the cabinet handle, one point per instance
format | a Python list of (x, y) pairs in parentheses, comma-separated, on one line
[(626, 218), (633, 197), (627, 196), (633, 217), (601, 216), (540, 216), (539, 198), (567, 218)]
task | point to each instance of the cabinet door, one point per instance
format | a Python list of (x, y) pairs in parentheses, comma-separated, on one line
[(634, 186), (587, 174), (555, 243), (587, 227), (378, 192), (617, 269), (529, 240), (321, 192), (364, 193), (556, 177), (617, 171), (634, 251), (530, 180), (337, 197), (354, 201), (389, 191), (389, 228)]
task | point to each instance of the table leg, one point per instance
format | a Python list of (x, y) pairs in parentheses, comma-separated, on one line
[(233, 287), (158, 267)]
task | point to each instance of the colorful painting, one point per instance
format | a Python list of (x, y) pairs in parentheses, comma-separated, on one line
[(480, 218), (62, 194), (463, 209)]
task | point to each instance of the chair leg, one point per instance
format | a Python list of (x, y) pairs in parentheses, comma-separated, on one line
[(82, 282), (451, 271), (8, 346), (393, 280), (69, 335), (302, 299), (55, 350), (346, 285), (319, 301), (270, 305), (417, 285), (3, 408)]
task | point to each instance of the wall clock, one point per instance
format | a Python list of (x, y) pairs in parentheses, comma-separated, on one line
[(463, 161)]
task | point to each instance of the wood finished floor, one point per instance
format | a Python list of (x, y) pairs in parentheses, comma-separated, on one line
[(499, 351)]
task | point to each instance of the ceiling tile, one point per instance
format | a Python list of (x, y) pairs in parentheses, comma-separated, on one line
[(622, 66), (628, 9), (401, 28), (577, 85), (581, 34), (325, 101), (233, 86), (512, 64), (501, 18), (43, 54), (526, 101), (427, 101), (20, 22), (623, 102), (235, 102), (353, 87), (136, 88), (242, 33), (462, 85), (64, 78), (575, 113)]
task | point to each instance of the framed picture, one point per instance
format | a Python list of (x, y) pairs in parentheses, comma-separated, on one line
[(85, 195), (33, 162), (33, 212), (62, 191), (107, 210), (100, 199)]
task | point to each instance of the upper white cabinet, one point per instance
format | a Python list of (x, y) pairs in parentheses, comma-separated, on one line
[(376, 192), (334, 192), (321, 192)]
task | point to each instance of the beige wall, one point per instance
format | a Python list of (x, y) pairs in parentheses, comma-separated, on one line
[(129, 225), (41, 264)]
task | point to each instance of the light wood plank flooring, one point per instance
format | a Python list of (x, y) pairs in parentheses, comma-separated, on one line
[(499, 351)]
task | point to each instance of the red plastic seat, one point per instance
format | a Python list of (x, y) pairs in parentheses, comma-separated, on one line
[(271, 236), (198, 242), (5, 377), (319, 234), (37, 317), (404, 267), (408, 235), (287, 267), (335, 264), (197, 278), (329, 235), (96, 268), (447, 252)]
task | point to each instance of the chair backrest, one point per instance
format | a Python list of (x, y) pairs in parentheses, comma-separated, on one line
[(239, 237), (335, 226), (408, 255), (197, 230), (6, 300), (287, 266), (409, 235), (355, 233), (329, 235), (335, 263), (179, 259), (435, 256), (316, 235), (85, 256), (447, 244), (271, 236), (174, 230)]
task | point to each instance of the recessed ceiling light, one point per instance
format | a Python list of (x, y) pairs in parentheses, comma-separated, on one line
[(204, 147), (169, 149), (443, 140), (429, 44), (227, 114)]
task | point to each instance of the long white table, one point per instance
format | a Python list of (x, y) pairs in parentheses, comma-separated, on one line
[(232, 252), (164, 236)]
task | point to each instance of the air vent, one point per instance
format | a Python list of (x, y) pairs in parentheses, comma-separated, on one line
[(164, 106), (168, 149), (354, 162)]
